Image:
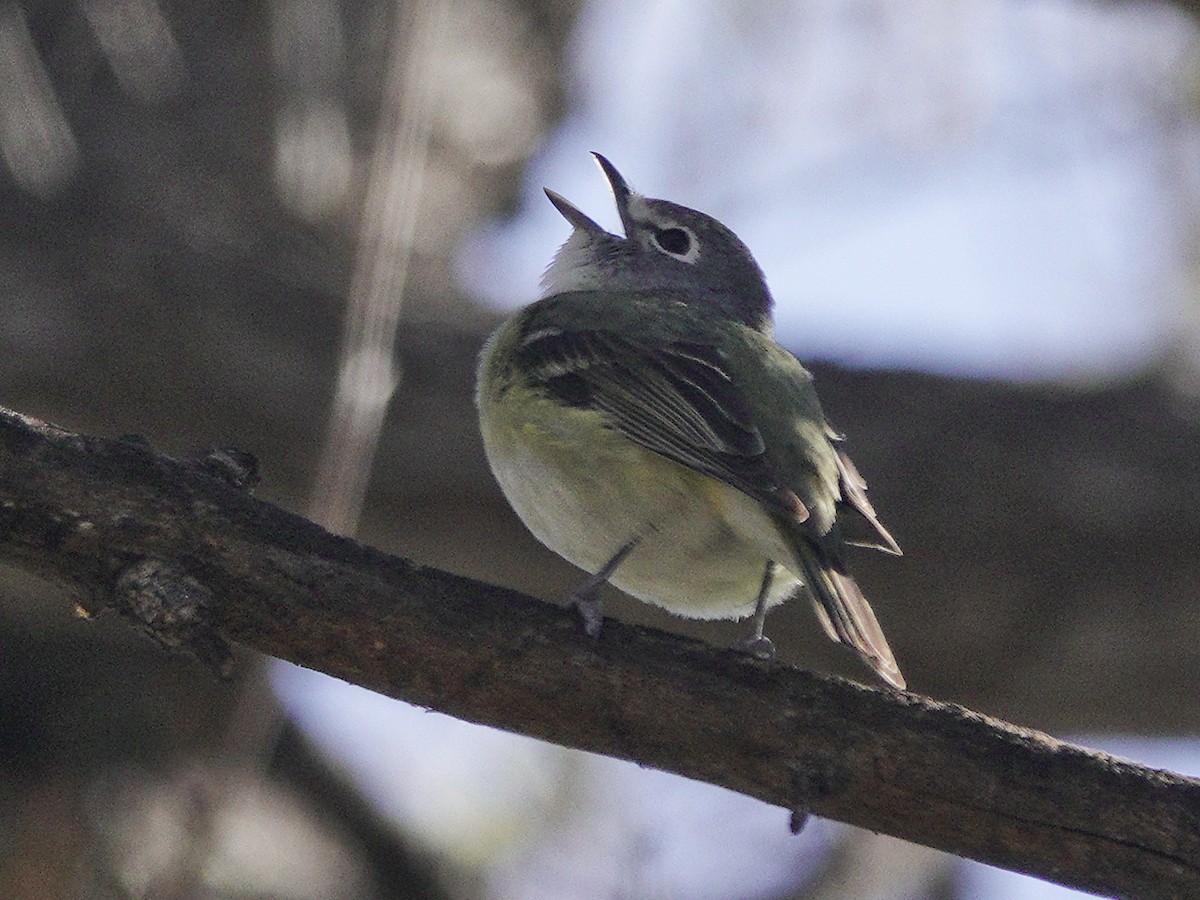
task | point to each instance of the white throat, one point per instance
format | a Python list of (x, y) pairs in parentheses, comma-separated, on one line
[(573, 267)]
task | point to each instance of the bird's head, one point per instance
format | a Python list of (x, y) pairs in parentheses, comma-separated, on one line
[(666, 247)]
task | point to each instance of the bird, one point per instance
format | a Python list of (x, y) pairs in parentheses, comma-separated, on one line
[(644, 424)]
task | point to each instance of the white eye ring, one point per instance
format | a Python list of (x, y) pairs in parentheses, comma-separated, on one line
[(675, 241)]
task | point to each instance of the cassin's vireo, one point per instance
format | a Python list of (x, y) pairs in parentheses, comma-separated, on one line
[(644, 424)]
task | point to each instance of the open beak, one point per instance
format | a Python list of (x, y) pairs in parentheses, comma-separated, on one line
[(621, 193), (621, 190), (573, 213)]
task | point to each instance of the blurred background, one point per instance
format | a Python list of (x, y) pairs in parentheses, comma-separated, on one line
[(288, 227)]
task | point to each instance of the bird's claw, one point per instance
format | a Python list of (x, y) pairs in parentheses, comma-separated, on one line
[(756, 645), (590, 611)]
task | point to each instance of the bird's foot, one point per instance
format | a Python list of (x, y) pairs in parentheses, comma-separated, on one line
[(590, 611), (756, 645)]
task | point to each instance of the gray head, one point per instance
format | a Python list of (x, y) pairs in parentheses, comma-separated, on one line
[(666, 246)]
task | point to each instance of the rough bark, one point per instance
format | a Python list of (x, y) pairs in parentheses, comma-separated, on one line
[(182, 548)]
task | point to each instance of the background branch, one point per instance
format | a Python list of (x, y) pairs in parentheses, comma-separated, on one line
[(181, 547)]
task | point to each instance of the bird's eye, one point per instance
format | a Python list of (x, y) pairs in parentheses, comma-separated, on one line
[(675, 241)]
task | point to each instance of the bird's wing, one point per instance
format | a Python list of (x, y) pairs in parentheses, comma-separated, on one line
[(805, 448), (674, 397), (856, 516)]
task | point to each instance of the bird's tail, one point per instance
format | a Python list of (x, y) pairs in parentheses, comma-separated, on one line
[(848, 618)]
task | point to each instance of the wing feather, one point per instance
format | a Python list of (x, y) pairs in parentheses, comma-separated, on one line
[(674, 398), (860, 525)]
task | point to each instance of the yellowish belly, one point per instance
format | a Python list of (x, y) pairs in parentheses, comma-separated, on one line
[(586, 491)]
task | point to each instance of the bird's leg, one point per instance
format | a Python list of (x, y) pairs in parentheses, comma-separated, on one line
[(584, 598), (755, 643)]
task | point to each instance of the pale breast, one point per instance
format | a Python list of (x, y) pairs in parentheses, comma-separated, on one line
[(585, 491)]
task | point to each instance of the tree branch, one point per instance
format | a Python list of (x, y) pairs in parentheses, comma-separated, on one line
[(181, 547)]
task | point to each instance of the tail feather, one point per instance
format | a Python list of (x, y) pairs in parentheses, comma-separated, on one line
[(847, 618)]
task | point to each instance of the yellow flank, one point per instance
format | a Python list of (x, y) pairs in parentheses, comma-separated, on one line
[(585, 490), (716, 492)]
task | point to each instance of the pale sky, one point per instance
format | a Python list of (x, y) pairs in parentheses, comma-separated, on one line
[(982, 187)]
